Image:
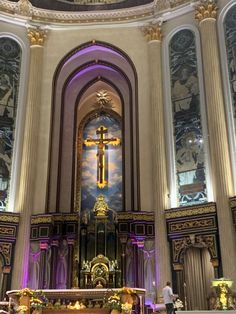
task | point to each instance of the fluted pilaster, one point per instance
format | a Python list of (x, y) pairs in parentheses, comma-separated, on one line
[(26, 188), (219, 146), (160, 192)]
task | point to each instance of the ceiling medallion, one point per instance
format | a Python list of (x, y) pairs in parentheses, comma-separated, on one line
[(104, 100)]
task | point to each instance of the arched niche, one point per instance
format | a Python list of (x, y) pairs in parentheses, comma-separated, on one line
[(88, 65)]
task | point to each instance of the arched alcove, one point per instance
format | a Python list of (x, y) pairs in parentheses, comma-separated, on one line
[(90, 66)]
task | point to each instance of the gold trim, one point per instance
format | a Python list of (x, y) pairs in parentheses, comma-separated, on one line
[(190, 211), (7, 231), (41, 219), (152, 32), (192, 224), (72, 217), (131, 216), (9, 218), (36, 36)]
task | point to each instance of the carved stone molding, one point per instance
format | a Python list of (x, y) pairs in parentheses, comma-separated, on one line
[(180, 245), (64, 17), (6, 251), (24, 7), (207, 9), (36, 36)]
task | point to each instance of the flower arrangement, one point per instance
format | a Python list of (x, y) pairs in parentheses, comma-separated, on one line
[(178, 304), (37, 299), (114, 302), (22, 309), (121, 300), (126, 307)]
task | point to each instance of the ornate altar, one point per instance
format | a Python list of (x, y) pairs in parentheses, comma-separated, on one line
[(99, 263), (100, 272)]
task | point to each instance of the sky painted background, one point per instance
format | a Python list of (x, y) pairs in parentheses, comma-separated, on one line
[(89, 188)]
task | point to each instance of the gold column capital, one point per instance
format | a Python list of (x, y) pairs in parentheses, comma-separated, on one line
[(152, 32), (36, 36), (205, 10)]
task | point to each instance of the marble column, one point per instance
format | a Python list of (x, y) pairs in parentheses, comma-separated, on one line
[(160, 190), (222, 180), (26, 187)]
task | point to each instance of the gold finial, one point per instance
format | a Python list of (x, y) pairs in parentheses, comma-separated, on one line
[(153, 32), (36, 36), (100, 207), (206, 9)]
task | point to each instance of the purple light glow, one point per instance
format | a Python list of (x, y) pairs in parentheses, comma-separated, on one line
[(90, 69), (93, 48)]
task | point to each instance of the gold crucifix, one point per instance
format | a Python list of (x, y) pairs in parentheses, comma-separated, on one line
[(101, 158)]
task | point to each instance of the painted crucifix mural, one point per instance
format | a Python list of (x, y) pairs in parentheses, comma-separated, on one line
[(101, 143)]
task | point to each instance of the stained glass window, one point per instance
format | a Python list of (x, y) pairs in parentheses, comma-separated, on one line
[(10, 60), (187, 124)]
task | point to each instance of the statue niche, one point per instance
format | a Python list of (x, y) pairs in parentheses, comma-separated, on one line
[(99, 263)]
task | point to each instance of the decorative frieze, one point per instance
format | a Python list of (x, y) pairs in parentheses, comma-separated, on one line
[(180, 245), (191, 211), (23, 8)]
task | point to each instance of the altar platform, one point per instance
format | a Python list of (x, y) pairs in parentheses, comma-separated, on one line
[(93, 299)]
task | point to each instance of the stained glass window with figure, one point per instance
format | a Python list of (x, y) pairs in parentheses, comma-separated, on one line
[(10, 61), (187, 123)]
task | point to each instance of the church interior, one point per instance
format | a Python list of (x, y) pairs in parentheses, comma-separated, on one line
[(118, 151)]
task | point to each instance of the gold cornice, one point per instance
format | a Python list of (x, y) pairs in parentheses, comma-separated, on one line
[(71, 217), (36, 36), (191, 211), (205, 10), (49, 219), (41, 220), (152, 32), (136, 216)]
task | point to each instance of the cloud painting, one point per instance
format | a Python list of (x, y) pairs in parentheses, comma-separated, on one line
[(89, 189)]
